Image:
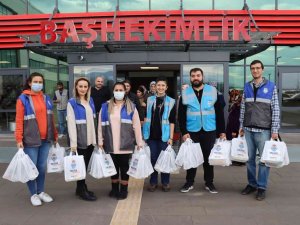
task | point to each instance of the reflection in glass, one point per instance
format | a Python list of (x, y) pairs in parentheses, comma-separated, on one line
[(39, 7), (8, 58), (290, 118), (288, 4), (258, 4), (10, 88), (126, 5), (291, 89), (102, 6), (7, 121), (267, 57), (268, 73), (72, 6), (234, 4), (213, 73), (236, 77), (12, 7), (196, 4), (165, 5), (288, 55), (91, 72)]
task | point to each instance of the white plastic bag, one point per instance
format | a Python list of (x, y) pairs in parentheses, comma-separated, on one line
[(55, 161), (275, 154), (21, 168), (220, 154), (239, 149), (166, 161), (140, 165), (189, 155), (94, 167), (107, 164), (147, 151), (74, 167)]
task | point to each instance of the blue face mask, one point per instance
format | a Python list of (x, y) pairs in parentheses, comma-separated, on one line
[(36, 87)]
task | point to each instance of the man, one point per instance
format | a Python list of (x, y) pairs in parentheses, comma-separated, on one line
[(61, 100), (201, 118), (134, 99), (152, 88), (259, 121), (100, 93)]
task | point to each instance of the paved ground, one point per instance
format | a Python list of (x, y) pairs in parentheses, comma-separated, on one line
[(198, 207)]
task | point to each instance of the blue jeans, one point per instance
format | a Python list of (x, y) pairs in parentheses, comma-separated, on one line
[(156, 146), (61, 116), (39, 156), (256, 141)]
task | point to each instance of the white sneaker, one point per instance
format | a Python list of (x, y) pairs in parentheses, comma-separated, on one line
[(35, 200), (45, 197)]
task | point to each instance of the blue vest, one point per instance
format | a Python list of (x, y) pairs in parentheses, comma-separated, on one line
[(127, 136), (80, 120), (258, 111), (31, 134), (165, 124), (200, 116)]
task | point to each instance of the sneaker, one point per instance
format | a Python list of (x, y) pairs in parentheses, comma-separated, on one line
[(166, 188), (248, 190), (45, 197), (261, 194), (35, 200), (211, 188), (152, 187), (186, 188)]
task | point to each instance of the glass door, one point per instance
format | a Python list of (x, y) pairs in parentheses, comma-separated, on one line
[(11, 86), (289, 98)]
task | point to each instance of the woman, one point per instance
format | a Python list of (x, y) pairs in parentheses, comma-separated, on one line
[(81, 128), (119, 129), (35, 130), (141, 93), (158, 129)]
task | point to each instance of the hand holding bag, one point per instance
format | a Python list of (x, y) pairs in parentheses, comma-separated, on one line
[(94, 167), (74, 167), (166, 161)]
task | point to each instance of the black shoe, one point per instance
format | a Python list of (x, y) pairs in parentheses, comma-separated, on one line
[(89, 192), (186, 188), (123, 192), (248, 190), (114, 193), (261, 194), (211, 188), (84, 195), (152, 187)]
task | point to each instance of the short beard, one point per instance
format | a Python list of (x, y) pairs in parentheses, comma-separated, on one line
[(198, 84)]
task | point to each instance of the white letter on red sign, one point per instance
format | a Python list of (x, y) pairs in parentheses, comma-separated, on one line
[(48, 28), (92, 32), (69, 31)]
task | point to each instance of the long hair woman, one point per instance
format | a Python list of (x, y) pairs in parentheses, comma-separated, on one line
[(35, 130)]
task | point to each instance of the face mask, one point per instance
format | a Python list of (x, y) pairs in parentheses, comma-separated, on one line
[(36, 87), (119, 95)]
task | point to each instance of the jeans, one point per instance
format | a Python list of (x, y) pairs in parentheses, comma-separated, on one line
[(156, 146), (256, 141), (61, 116), (39, 156)]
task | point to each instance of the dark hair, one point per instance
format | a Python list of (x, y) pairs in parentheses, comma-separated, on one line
[(119, 83), (162, 79), (127, 82), (255, 62), (89, 87), (60, 83), (193, 70), (29, 80), (142, 89)]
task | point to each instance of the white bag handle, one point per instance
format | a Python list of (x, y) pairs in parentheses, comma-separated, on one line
[(189, 141)]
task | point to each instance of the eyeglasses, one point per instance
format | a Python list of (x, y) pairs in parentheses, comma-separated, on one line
[(255, 68)]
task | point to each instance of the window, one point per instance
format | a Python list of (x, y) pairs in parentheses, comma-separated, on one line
[(165, 5), (102, 6), (288, 4), (38, 6), (267, 57), (236, 77), (258, 4), (288, 55), (8, 58), (196, 4), (232, 4), (126, 5), (65, 6)]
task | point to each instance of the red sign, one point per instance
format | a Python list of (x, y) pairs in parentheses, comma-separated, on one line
[(146, 29)]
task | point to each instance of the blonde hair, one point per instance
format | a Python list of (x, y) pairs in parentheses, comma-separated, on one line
[(75, 92)]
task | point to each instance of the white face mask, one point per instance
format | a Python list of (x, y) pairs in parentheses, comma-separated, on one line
[(119, 95)]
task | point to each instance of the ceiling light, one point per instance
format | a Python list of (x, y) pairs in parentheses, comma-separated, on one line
[(149, 67)]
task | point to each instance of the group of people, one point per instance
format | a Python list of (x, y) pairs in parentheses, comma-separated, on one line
[(121, 122)]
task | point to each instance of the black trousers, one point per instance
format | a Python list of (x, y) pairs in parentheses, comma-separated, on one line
[(121, 162), (206, 140), (87, 153)]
